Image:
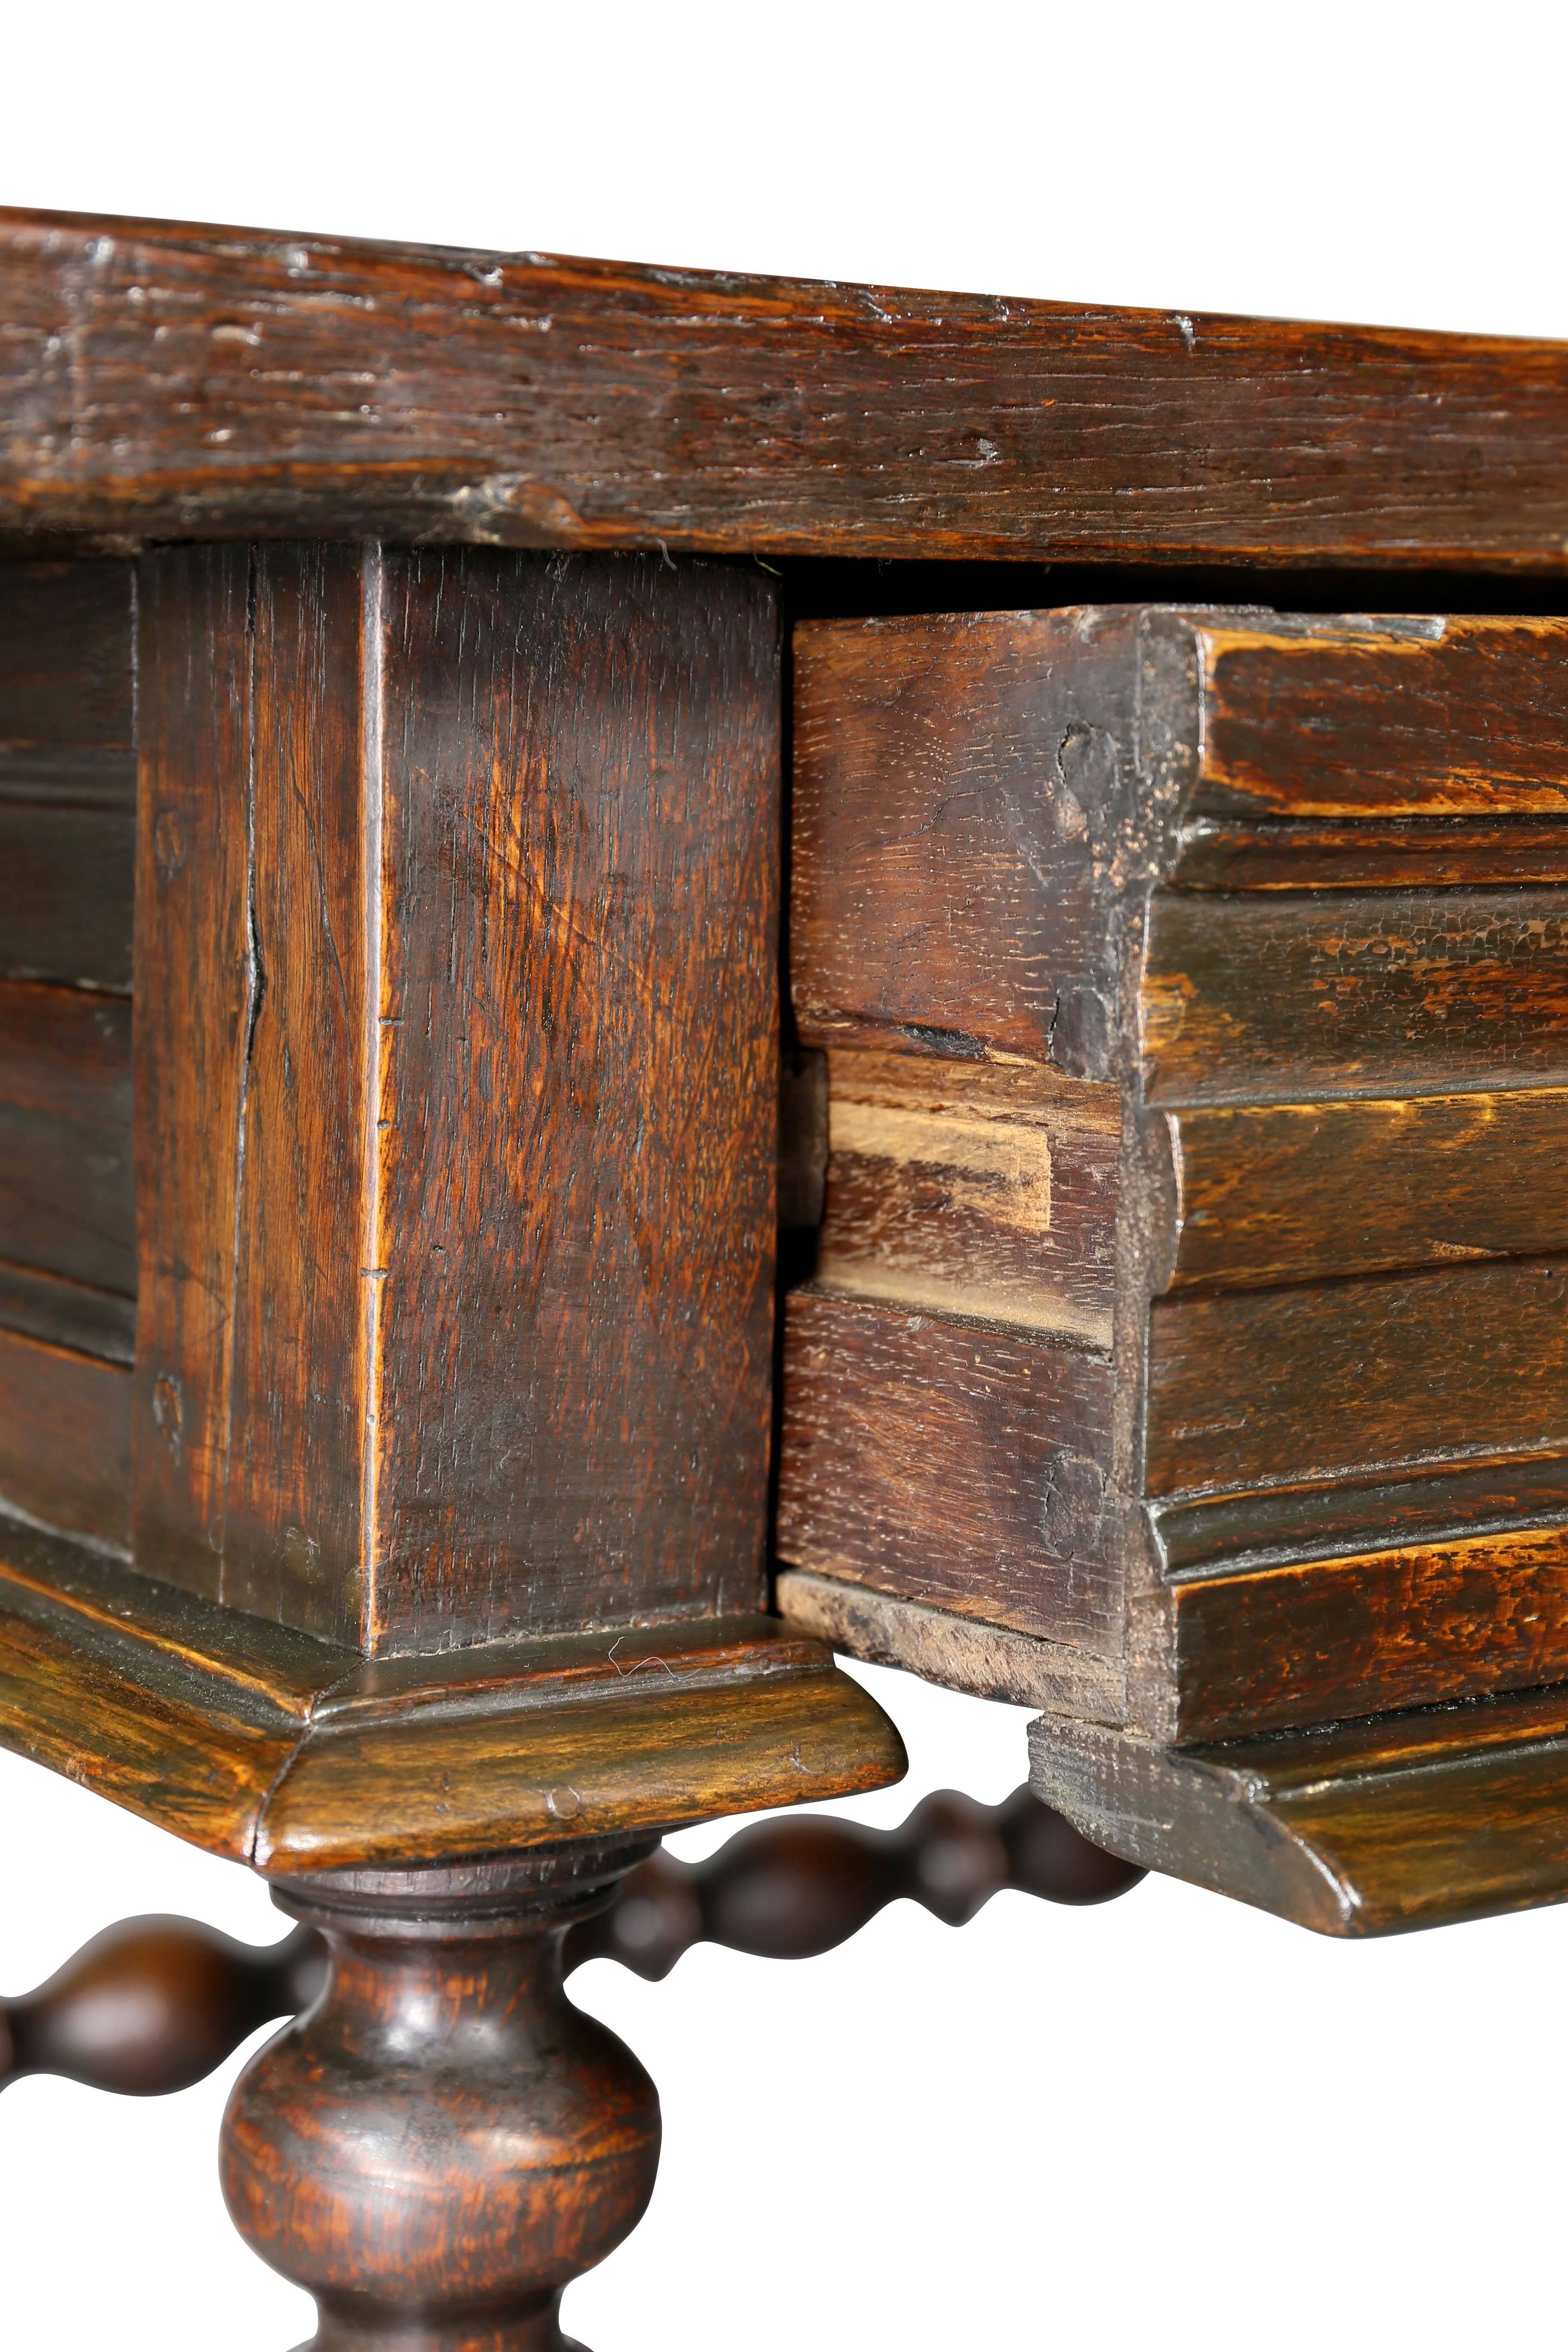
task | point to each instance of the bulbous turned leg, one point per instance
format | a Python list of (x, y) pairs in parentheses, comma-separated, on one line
[(443, 2143)]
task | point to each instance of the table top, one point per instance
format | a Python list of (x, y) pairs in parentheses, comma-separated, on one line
[(162, 380)]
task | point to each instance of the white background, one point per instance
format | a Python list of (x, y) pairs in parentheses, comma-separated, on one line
[(1167, 2122)]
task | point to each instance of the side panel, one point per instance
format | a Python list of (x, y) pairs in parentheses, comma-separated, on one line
[(949, 1463)]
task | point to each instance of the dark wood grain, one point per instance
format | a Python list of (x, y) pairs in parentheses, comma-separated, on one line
[(445, 2141), (294, 1754), (69, 1315), (414, 1784), (1396, 854), (1304, 1642), (1314, 1381), (68, 1202), (1414, 1499), (954, 801), (972, 1188), (961, 1463), (66, 685), (1267, 997), (576, 1203), (1358, 1829), (167, 379), (192, 1047), (1294, 1191), (64, 1438), (295, 1544), (67, 886), (484, 863), (1462, 716), (154, 2004)]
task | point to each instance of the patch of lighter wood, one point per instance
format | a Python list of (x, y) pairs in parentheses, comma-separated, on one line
[(960, 1652)]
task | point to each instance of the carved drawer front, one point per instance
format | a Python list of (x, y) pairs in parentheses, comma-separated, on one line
[(1186, 1348)]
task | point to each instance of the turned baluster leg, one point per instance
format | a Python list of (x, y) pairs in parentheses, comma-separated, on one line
[(444, 2142)]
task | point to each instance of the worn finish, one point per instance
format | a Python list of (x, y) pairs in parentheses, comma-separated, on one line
[(65, 1437), (1284, 889), (167, 379), (1274, 996), (1359, 1828), (445, 2141), (516, 1770), (973, 1188), (1271, 1386), (948, 772), (1292, 1191), (579, 1055), (964, 1654), (1418, 1498), (191, 1049), (916, 1448), (1307, 1642), (295, 1755), (483, 847), (1461, 717), (67, 1182)]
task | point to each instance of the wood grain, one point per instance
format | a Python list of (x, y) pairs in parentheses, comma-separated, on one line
[(1296, 1191), (424, 1782), (1397, 853), (1316, 1382), (578, 992), (1461, 716), (974, 1189), (955, 801), (1358, 1829), (71, 1314), (67, 1177), (192, 1046), (293, 1543), (1417, 1626), (67, 886), (960, 1652), (1419, 1499), (444, 2141), (67, 684), (1267, 997), (275, 1747), (960, 1464), (167, 379), (64, 1438), (471, 1325)]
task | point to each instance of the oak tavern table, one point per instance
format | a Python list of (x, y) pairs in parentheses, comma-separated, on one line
[(700, 969)]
